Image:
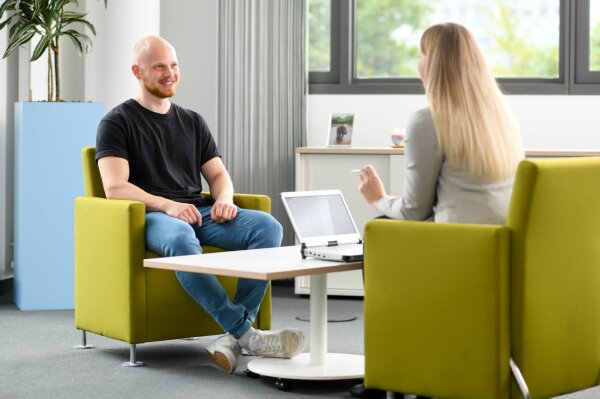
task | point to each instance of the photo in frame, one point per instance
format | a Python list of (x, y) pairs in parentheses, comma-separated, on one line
[(341, 127)]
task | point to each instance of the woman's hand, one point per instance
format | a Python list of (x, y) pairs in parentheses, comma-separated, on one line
[(370, 186)]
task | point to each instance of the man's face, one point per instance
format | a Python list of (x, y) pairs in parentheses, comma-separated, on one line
[(159, 72)]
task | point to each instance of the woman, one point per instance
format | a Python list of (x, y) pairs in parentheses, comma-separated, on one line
[(461, 153)]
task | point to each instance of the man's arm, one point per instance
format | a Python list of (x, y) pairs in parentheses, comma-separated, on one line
[(115, 179), (221, 189)]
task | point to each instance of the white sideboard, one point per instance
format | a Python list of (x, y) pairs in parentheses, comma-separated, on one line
[(324, 168)]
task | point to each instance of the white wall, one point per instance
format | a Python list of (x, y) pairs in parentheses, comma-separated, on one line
[(108, 76), (194, 34), (546, 122)]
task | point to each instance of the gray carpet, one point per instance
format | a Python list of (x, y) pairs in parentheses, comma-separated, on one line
[(37, 359)]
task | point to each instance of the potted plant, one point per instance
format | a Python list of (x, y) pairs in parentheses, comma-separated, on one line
[(49, 136), (49, 20)]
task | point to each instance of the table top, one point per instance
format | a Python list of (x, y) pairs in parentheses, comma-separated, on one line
[(259, 264)]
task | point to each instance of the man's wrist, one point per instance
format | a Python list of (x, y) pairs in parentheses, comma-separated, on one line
[(225, 198), (161, 204)]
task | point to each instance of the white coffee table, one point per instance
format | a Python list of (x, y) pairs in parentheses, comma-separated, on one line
[(278, 263)]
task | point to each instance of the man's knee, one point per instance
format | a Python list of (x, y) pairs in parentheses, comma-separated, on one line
[(177, 241), (269, 231)]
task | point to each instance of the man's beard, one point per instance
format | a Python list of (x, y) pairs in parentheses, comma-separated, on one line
[(159, 91)]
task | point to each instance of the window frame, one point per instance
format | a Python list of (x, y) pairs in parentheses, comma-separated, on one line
[(334, 59), (585, 81), (574, 74)]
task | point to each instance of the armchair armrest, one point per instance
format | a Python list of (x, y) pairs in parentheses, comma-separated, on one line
[(109, 276), (253, 201), (437, 308)]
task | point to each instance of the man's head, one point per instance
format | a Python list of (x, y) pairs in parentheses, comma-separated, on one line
[(155, 66)]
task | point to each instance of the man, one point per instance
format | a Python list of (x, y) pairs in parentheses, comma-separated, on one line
[(149, 149)]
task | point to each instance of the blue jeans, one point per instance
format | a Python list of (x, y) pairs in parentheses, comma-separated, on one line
[(169, 236)]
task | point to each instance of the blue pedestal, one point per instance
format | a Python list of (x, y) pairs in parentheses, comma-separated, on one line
[(48, 176)]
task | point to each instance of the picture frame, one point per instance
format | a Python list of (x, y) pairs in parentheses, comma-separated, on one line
[(341, 129)]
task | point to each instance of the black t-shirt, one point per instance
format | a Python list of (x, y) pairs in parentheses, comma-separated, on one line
[(164, 151)]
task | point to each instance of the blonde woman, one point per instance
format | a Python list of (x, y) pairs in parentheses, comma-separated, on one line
[(461, 152)]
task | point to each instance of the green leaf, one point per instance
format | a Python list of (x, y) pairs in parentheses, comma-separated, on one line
[(41, 47), (17, 42), (47, 18), (77, 38), (7, 21), (79, 20), (6, 6), (72, 14)]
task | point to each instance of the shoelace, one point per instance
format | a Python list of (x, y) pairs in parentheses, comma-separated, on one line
[(271, 342)]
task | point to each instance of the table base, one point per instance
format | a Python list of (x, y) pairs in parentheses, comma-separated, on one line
[(337, 366)]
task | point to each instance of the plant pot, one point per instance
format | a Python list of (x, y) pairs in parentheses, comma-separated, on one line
[(48, 176)]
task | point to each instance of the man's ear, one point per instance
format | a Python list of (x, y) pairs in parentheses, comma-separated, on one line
[(137, 72)]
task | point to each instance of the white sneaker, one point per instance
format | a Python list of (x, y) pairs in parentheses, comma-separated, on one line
[(224, 351), (285, 343)]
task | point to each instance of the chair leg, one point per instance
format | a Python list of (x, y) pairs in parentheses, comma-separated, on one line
[(132, 362), (84, 344), (520, 380)]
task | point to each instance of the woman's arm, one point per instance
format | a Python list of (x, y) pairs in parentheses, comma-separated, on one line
[(422, 164)]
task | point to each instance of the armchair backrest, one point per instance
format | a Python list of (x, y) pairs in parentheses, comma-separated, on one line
[(554, 220), (91, 174)]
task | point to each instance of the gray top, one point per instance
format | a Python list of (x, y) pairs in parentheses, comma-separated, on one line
[(434, 190)]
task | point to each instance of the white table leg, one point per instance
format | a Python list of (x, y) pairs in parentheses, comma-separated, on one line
[(318, 318), (318, 365)]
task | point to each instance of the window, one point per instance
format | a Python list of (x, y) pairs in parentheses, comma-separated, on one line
[(323, 20), (319, 22), (594, 45), (587, 48), (527, 43)]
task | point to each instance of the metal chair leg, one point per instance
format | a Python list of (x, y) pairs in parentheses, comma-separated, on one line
[(132, 362), (84, 344), (520, 380)]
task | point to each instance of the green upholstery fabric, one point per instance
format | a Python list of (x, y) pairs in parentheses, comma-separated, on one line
[(447, 305), (554, 220), (436, 308), (115, 295)]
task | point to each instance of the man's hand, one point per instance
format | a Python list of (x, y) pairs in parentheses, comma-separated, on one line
[(186, 212), (223, 210), (221, 189), (370, 186)]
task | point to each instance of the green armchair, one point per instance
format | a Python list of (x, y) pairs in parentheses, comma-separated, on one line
[(115, 296), (452, 309)]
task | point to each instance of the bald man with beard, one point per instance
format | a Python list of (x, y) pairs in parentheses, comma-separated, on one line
[(151, 150)]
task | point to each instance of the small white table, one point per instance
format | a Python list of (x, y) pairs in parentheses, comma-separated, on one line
[(278, 263)]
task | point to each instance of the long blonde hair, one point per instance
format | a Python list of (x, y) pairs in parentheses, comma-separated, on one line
[(475, 130)]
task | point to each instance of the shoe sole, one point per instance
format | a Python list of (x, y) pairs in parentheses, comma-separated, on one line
[(301, 346), (221, 360)]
